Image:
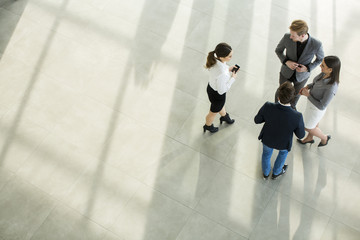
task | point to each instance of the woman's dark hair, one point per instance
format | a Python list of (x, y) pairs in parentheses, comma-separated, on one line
[(334, 63), (221, 50), (286, 92)]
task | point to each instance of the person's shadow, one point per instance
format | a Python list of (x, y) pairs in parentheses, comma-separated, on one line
[(10, 14), (307, 216)]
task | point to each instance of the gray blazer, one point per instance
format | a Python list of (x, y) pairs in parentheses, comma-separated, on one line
[(312, 48), (321, 92)]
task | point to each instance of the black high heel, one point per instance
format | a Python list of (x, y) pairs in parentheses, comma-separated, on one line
[(210, 128), (227, 119), (324, 144), (301, 142)]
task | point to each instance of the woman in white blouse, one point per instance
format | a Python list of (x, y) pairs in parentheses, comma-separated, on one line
[(221, 78)]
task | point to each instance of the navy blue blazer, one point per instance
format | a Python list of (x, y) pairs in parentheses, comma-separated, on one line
[(280, 124)]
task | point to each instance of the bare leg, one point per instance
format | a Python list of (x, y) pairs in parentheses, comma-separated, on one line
[(309, 137), (210, 118), (318, 133), (223, 112)]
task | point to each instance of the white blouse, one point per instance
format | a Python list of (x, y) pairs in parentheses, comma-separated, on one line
[(220, 77)]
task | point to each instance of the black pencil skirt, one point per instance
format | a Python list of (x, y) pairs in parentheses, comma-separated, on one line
[(217, 100)]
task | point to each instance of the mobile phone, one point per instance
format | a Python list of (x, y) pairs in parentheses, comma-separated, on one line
[(236, 68)]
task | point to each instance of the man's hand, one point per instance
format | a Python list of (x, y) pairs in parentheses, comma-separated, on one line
[(301, 68), (291, 64)]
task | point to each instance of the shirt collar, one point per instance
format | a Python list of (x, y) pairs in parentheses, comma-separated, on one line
[(304, 42), (285, 105), (223, 63)]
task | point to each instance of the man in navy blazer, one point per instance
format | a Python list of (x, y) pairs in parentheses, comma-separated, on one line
[(296, 51), (280, 122)]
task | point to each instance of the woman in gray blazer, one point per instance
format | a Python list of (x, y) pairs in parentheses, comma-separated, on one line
[(319, 94)]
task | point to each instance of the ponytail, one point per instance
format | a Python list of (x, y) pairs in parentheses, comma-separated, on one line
[(211, 60), (221, 50)]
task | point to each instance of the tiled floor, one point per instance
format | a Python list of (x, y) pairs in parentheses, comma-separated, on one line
[(101, 111)]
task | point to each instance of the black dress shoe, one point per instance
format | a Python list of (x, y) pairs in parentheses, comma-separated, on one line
[(210, 128), (301, 142), (227, 119), (265, 177), (282, 172), (324, 144)]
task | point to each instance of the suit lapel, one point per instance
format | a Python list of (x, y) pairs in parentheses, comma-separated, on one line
[(304, 53), (293, 48)]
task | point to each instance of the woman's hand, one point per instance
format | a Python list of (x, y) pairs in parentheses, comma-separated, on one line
[(305, 91), (233, 74)]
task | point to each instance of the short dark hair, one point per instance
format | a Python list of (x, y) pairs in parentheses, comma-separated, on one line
[(286, 92)]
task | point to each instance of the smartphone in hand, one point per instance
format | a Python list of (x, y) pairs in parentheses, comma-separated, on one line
[(236, 68)]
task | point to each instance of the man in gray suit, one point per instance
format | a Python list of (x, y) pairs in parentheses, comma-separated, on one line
[(297, 61)]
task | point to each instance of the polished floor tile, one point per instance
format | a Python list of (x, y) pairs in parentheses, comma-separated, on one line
[(346, 210), (314, 181), (200, 227), (57, 164), (23, 209), (101, 111), (65, 223), (336, 230), (102, 193), (285, 218), (197, 170), (19, 138), (235, 201), (164, 217)]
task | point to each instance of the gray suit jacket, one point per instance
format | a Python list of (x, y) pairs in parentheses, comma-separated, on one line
[(312, 48)]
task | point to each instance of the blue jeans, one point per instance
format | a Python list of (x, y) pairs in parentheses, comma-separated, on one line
[(279, 162)]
